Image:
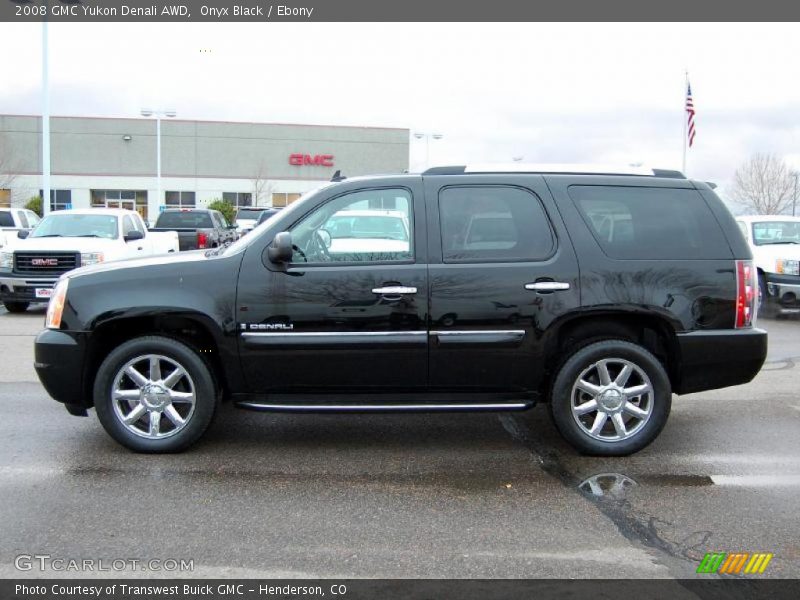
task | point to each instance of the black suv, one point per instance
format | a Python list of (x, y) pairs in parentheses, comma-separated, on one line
[(460, 289)]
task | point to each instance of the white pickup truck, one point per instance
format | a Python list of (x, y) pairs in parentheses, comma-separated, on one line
[(68, 239), (13, 220), (775, 243)]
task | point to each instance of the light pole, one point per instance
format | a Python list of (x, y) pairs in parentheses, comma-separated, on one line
[(146, 112), (45, 121), (427, 137), (796, 174)]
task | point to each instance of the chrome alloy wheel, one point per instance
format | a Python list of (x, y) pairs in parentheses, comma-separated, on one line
[(612, 400), (153, 396)]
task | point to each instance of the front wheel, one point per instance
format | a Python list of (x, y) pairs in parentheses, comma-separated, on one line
[(766, 308), (16, 307), (611, 398), (155, 395)]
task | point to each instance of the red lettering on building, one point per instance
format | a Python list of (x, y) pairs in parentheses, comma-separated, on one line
[(318, 160)]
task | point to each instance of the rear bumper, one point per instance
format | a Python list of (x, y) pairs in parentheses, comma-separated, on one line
[(717, 359), (59, 362)]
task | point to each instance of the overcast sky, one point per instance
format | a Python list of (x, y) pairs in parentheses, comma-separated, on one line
[(546, 92)]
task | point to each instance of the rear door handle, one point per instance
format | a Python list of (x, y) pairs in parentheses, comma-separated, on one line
[(547, 286), (394, 290)]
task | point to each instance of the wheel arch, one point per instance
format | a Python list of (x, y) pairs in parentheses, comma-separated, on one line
[(195, 330), (655, 333)]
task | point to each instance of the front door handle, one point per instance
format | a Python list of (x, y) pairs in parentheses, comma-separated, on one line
[(394, 290), (547, 286)]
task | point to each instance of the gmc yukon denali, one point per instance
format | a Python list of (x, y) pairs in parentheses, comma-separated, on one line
[(601, 292)]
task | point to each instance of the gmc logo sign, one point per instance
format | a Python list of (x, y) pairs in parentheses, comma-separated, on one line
[(318, 160), (44, 262)]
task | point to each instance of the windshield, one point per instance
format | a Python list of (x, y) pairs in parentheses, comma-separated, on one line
[(77, 225), (776, 232), (184, 220), (290, 213)]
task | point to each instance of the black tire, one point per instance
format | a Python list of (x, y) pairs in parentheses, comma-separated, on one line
[(561, 400), (198, 371), (16, 307), (766, 305)]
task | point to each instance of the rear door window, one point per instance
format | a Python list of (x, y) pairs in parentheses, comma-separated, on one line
[(484, 223), (650, 223)]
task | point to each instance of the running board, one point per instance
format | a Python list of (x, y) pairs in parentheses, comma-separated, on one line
[(384, 408)]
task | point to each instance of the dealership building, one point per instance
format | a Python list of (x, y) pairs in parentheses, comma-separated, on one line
[(112, 162)]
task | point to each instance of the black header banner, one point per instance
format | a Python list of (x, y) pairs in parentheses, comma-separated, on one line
[(255, 11), (416, 589)]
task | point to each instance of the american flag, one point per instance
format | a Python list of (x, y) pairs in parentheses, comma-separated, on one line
[(690, 114)]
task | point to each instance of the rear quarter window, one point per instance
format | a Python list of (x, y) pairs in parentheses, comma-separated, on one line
[(650, 223)]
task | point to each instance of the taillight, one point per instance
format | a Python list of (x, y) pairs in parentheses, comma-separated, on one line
[(202, 238), (745, 293)]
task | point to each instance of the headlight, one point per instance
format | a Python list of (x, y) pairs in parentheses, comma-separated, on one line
[(787, 267), (6, 260), (55, 307), (91, 258)]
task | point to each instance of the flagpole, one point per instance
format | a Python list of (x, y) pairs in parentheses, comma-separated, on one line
[(685, 119)]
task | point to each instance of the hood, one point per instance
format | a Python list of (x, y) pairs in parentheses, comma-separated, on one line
[(174, 258), (770, 253), (63, 244)]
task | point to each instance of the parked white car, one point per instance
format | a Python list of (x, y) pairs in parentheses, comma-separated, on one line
[(369, 230), (68, 239), (775, 243), (13, 220)]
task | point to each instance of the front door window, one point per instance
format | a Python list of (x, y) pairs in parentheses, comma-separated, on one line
[(349, 229)]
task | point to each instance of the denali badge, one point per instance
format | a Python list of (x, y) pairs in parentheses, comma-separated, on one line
[(44, 262), (266, 326)]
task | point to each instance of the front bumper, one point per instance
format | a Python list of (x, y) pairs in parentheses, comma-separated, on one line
[(783, 292), (719, 358), (59, 363), (18, 288)]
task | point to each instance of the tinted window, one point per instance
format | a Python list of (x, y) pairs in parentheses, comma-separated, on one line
[(493, 223), (248, 213), (350, 229), (650, 223), (6, 220), (184, 220)]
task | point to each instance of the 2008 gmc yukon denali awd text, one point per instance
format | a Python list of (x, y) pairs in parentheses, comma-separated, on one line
[(599, 291)]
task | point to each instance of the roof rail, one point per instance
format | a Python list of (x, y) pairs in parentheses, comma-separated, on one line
[(572, 169)]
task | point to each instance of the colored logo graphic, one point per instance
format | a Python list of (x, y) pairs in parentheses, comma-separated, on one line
[(735, 563)]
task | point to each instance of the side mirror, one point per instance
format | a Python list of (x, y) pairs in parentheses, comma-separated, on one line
[(280, 250), (134, 235), (23, 233)]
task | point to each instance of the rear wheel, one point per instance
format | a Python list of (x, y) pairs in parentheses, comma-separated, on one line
[(155, 394), (16, 307), (611, 398)]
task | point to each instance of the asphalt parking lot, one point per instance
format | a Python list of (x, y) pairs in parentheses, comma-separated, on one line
[(449, 496)]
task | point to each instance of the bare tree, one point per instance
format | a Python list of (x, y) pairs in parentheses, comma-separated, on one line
[(764, 184), (261, 186)]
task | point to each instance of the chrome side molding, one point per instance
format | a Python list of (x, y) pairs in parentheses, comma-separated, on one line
[(383, 408)]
